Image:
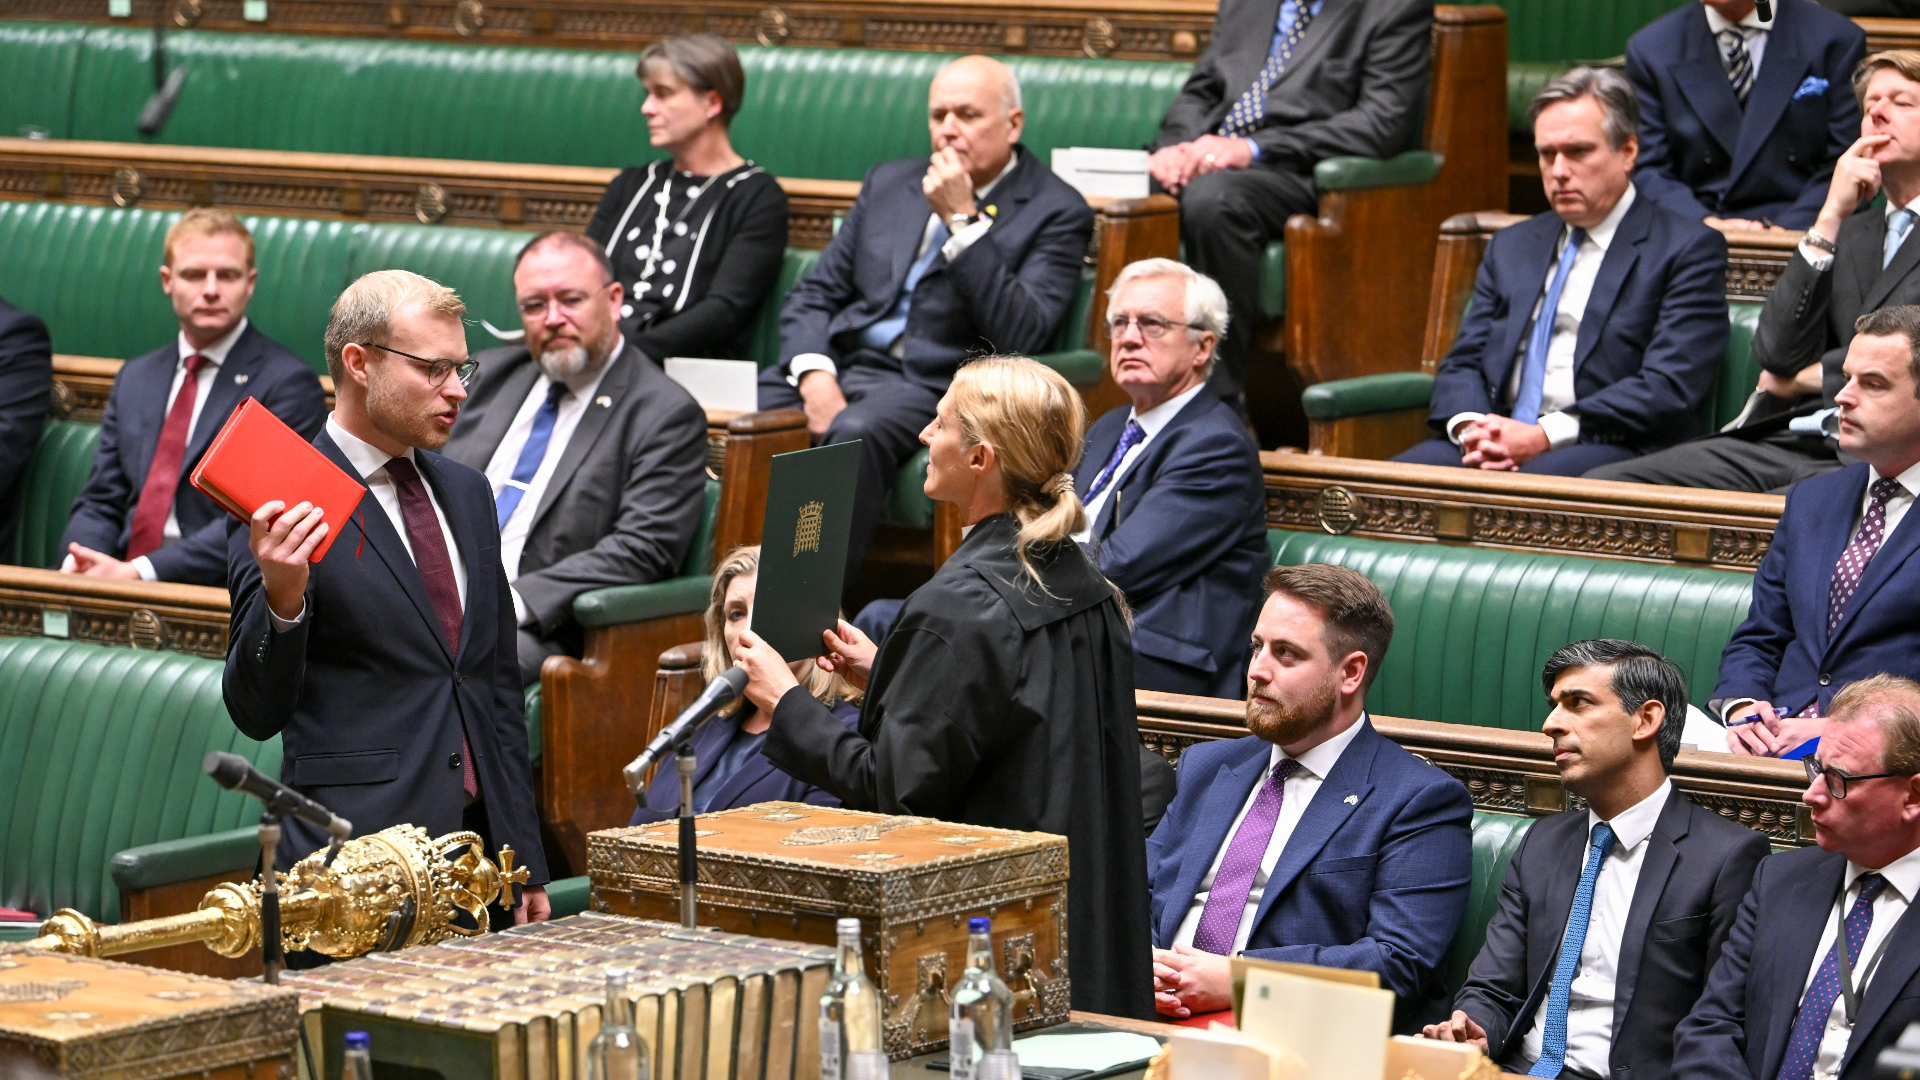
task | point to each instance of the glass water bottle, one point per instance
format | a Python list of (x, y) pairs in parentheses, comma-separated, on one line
[(980, 1025), (359, 1059), (850, 1036), (618, 1052)]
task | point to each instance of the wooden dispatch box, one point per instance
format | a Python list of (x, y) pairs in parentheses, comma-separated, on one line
[(791, 869), (81, 1019)]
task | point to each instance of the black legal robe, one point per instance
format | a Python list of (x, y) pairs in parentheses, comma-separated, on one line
[(994, 703)]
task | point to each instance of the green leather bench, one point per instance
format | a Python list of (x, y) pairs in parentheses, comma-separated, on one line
[(1546, 37), (54, 478), (1496, 838), (1474, 626)]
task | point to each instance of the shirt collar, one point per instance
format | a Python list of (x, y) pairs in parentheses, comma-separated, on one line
[(1890, 208), (1320, 760), (1717, 22), (1601, 235), (1162, 414), (215, 353), (365, 457), (1902, 873), (1634, 824), (1910, 479), (1012, 160)]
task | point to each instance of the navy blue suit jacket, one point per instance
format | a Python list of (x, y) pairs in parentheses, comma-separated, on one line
[(1701, 153), (1650, 342), (1184, 536), (1783, 653), (1374, 877), (1007, 293), (1739, 1028), (366, 698), (758, 780), (26, 387), (102, 519)]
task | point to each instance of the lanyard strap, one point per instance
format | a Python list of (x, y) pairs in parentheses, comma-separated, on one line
[(1849, 992)]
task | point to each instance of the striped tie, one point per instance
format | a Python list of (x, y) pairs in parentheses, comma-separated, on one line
[(1246, 113), (1738, 62)]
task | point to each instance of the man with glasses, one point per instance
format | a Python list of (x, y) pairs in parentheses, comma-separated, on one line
[(387, 668), (1596, 328), (1793, 998), (597, 459)]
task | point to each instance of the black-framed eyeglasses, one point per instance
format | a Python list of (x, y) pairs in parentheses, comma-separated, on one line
[(1152, 327), (437, 370), (1837, 779)]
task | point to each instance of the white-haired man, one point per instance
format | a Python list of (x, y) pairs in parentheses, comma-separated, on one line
[(1176, 505)]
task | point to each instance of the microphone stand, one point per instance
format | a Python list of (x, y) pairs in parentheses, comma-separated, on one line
[(689, 869), (272, 952)]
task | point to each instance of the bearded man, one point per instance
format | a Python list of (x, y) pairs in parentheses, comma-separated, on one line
[(1315, 840), (596, 458)]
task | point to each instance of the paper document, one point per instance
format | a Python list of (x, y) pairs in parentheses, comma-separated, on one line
[(732, 385), (1095, 171), (1093, 1050), (1338, 1030)]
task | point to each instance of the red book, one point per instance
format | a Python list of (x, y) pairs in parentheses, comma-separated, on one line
[(256, 458)]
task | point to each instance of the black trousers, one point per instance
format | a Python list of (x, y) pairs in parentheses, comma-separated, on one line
[(1227, 219), (1566, 461), (1770, 464), (885, 412)]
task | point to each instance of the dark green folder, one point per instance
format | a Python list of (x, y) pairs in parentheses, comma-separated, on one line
[(803, 547)]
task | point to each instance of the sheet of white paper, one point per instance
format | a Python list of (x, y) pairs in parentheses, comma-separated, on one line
[(1094, 1050), (718, 384), (1702, 732)]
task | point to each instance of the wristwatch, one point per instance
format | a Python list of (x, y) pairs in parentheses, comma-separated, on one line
[(1815, 240), (961, 221)]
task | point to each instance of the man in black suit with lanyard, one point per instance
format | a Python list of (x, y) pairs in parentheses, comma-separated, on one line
[(389, 668)]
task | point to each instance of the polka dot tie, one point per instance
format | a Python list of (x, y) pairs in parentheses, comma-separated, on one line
[(1810, 1023), (1247, 112), (1233, 882), (1553, 1028), (1853, 561)]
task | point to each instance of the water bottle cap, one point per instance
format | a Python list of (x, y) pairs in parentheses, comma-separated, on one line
[(357, 1040), (979, 925), (846, 926)]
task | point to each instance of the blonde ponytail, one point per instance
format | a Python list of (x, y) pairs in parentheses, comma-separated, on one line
[(1036, 424)]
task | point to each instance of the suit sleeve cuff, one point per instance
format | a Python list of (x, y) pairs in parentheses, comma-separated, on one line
[(1252, 148), (68, 565), (280, 625), (520, 615), (144, 566), (1459, 420), (965, 238), (1562, 428), (810, 361), (1733, 705), (1820, 260)]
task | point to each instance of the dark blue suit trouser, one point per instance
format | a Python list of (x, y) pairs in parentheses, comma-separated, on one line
[(886, 412), (1566, 461)]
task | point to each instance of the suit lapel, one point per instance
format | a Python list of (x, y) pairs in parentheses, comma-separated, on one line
[(1340, 794), (373, 524), (1827, 546), (1232, 782), (469, 529), (1797, 935), (1773, 87), (1622, 253), (146, 390), (1894, 550), (1655, 868), (502, 407), (1897, 968), (1319, 33), (1531, 262), (1702, 79), (1904, 260), (906, 238), (610, 395)]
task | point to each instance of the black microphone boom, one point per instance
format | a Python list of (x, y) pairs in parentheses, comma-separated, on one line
[(235, 773), (1765, 8), (724, 690), (160, 106)]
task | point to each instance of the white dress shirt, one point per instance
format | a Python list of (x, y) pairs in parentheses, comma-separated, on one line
[(1559, 412), (1752, 28), (1296, 793), (956, 243), (1590, 1003), (1822, 261), (371, 463), (581, 392), (1150, 423), (1903, 883)]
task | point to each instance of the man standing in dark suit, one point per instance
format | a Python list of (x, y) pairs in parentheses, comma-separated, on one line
[(596, 458), (977, 250), (1315, 840), (1834, 599), (26, 390), (139, 517), (388, 667), (1176, 503), (1779, 1004), (1856, 258), (1595, 328), (1741, 120), (1610, 917), (1283, 86)]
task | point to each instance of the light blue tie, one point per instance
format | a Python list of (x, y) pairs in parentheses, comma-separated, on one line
[(531, 454), (1553, 1034), (881, 335), (1898, 224), (1533, 372)]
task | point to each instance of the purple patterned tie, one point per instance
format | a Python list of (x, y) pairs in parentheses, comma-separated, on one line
[(1128, 440), (1810, 1023), (1853, 561), (436, 572), (1233, 882)]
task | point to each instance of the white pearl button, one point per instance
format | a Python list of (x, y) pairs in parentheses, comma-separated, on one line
[(667, 289), (667, 267), (626, 311), (679, 228), (633, 233), (642, 252)]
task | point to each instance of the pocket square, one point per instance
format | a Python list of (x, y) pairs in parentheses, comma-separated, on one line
[(1811, 85)]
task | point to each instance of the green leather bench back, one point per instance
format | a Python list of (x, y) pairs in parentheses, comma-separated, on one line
[(1474, 626), (1577, 29), (1496, 837), (100, 750), (819, 113), (54, 479), (766, 331), (1739, 371)]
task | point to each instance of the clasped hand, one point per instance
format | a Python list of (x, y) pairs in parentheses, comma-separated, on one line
[(849, 653), (1187, 981), (1756, 730), (1500, 443), (1175, 166)]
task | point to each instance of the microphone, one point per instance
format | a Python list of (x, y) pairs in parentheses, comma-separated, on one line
[(724, 690), (233, 772), (160, 106), (1765, 8)]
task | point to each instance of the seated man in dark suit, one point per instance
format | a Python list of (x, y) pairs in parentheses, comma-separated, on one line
[(1849, 264), (1837, 597), (1741, 120), (977, 250), (1176, 503), (1315, 840), (1595, 328), (1779, 1005), (138, 517), (26, 391), (1610, 917), (1277, 92), (597, 459)]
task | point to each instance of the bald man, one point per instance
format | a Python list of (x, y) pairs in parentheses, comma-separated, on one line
[(972, 251)]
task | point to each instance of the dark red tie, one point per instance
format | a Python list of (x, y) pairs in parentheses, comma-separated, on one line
[(436, 572), (163, 475)]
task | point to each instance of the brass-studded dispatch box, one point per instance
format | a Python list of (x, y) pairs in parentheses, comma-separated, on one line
[(789, 870), (81, 1019)]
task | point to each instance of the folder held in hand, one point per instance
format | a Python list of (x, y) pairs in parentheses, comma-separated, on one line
[(256, 458)]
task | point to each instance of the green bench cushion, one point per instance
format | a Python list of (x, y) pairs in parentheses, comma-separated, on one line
[(1273, 281), (100, 751), (1496, 837), (1474, 626), (1359, 173), (1573, 30), (54, 479), (1367, 394)]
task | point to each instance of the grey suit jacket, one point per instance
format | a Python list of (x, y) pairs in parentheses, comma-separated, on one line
[(625, 498)]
